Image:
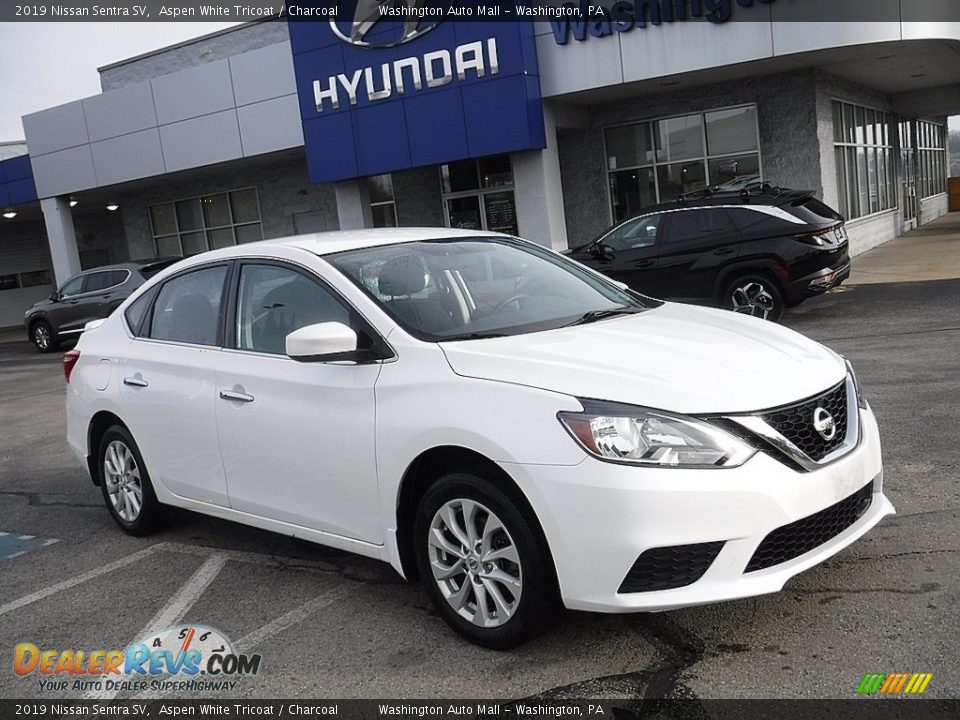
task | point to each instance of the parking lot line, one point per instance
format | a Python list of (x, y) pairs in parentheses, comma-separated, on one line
[(78, 579), (176, 607), (298, 614)]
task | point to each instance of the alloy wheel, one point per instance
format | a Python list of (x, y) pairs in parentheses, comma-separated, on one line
[(123, 483), (475, 562), (753, 298), (41, 336)]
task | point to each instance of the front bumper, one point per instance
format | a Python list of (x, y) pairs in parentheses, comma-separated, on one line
[(599, 517)]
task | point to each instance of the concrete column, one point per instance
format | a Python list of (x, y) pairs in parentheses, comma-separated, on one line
[(61, 237), (353, 204), (538, 190)]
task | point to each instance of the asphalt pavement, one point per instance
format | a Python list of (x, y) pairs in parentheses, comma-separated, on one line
[(328, 624)]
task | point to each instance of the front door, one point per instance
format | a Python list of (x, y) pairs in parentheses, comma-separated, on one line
[(297, 438), (908, 161), (628, 254), (167, 385)]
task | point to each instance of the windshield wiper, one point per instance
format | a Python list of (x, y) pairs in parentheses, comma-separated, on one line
[(595, 315), (472, 336)]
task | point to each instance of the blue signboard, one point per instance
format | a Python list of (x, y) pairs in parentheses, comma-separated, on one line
[(16, 181), (379, 95)]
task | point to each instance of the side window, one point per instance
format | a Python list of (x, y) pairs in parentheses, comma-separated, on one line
[(188, 307), (693, 225), (274, 301), (103, 280), (636, 234), (136, 312), (72, 287)]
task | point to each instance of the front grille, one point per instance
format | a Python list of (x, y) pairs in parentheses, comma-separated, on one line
[(800, 537), (795, 422), (670, 567)]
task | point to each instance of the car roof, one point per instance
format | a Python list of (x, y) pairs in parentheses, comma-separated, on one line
[(325, 243), (775, 197)]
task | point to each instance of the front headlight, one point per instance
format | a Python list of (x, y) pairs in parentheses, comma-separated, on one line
[(861, 400), (638, 436)]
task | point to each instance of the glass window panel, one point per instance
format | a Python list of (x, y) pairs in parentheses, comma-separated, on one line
[(465, 212), (74, 286), (737, 171), (189, 215), (863, 187), (220, 238), (380, 188), (9, 282), (168, 246), (681, 178), (164, 219), (384, 215), (731, 131), (35, 278), (495, 171), (629, 146), (861, 126), (245, 206), (194, 243), (850, 123), (872, 178), (460, 176), (188, 307), (870, 126), (837, 122), (853, 195), (248, 233), (882, 179), (631, 191), (216, 211), (275, 301), (680, 138)]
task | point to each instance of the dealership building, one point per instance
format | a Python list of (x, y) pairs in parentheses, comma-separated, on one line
[(552, 130)]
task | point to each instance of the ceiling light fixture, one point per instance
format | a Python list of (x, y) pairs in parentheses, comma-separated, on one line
[(73, 202), (112, 206), (10, 214)]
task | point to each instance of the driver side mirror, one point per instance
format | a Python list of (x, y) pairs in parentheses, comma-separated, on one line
[(54, 297), (323, 342), (603, 252)]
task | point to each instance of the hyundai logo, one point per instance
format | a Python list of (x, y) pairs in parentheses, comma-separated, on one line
[(406, 20), (824, 424)]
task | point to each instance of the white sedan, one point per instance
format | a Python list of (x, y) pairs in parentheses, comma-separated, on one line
[(512, 428)]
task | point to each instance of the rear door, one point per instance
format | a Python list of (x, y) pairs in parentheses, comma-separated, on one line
[(168, 392), (630, 254), (695, 244)]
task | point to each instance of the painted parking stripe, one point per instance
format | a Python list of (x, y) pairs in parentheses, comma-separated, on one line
[(13, 545)]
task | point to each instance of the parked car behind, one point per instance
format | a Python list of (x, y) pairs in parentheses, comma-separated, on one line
[(511, 427), (756, 251), (91, 295)]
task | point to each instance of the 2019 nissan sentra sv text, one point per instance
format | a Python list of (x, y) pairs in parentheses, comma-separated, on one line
[(509, 426)]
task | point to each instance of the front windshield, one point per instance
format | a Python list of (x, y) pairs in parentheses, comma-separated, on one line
[(469, 288)]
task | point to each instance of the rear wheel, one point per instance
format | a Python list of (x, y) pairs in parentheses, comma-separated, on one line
[(43, 338), (125, 483), (483, 562), (754, 295)]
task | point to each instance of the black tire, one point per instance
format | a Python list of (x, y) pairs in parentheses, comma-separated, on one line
[(757, 295), (151, 513), (539, 597), (43, 337)]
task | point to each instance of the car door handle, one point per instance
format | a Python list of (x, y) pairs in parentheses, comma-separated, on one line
[(135, 382), (727, 251), (644, 264), (239, 396)]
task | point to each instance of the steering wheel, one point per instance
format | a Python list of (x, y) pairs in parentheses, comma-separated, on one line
[(512, 299)]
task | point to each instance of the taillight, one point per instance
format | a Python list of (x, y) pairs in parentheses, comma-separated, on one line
[(69, 361)]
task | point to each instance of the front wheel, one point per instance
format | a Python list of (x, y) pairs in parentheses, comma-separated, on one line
[(484, 563), (43, 338), (754, 295), (125, 483)]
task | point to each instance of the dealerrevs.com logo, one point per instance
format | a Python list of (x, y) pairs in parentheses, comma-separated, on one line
[(894, 683), (186, 658)]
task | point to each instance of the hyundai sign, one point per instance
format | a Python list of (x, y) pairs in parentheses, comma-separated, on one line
[(381, 91)]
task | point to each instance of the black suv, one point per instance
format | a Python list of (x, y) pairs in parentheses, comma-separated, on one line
[(755, 251), (91, 295)]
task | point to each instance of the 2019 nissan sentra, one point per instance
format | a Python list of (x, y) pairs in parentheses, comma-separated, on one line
[(513, 428)]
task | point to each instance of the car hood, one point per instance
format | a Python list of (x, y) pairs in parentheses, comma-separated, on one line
[(676, 357)]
